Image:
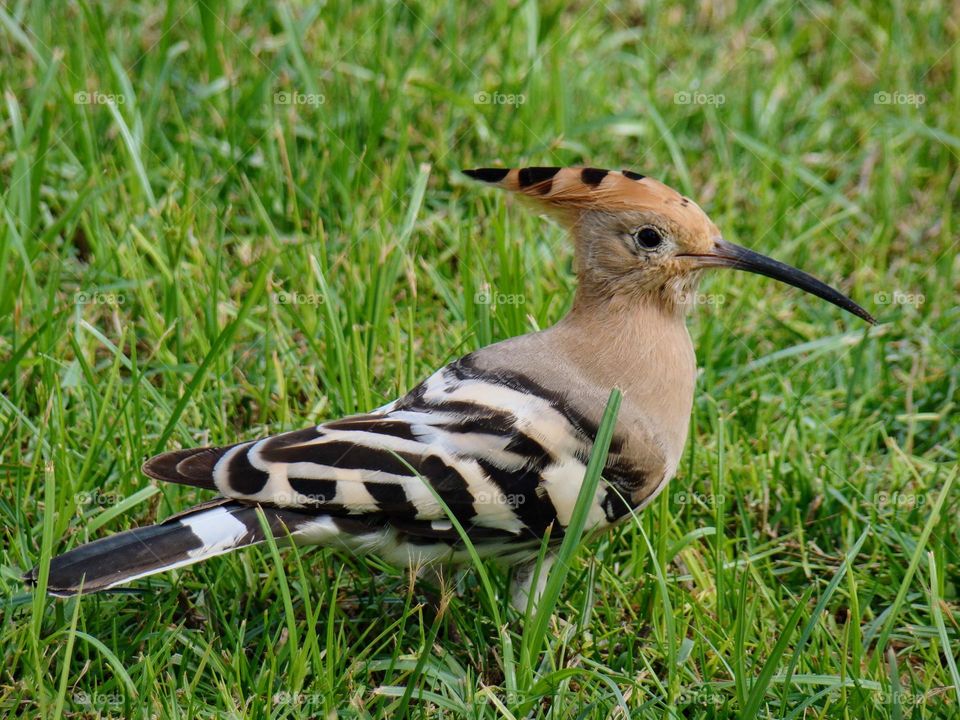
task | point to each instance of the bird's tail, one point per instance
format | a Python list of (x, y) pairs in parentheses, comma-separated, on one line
[(202, 532)]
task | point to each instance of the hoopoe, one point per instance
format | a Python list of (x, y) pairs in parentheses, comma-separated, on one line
[(501, 435)]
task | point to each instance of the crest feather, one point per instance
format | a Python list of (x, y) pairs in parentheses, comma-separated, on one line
[(579, 187), (568, 192)]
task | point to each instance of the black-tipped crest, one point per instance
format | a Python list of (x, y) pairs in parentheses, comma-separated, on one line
[(537, 175), (593, 176), (490, 175)]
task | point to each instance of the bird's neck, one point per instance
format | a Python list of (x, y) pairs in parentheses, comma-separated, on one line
[(627, 337), (639, 346)]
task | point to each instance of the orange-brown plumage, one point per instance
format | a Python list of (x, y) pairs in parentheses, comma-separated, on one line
[(639, 239), (566, 193)]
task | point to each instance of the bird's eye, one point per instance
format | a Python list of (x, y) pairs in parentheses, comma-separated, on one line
[(648, 238)]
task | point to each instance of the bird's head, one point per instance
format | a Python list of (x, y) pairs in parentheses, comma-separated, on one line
[(637, 237)]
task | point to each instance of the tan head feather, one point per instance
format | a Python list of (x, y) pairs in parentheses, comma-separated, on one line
[(567, 192), (637, 238)]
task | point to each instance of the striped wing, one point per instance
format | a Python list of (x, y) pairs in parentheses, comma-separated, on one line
[(505, 455)]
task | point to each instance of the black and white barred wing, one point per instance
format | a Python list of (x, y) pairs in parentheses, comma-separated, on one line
[(504, 455), (501, 453)]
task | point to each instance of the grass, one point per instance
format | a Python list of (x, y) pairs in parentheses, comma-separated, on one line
[(222, 219)]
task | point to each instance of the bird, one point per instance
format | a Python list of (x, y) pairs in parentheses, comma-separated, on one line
[(498, 439)]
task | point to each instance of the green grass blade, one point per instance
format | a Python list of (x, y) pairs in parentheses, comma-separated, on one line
[(534, 634)]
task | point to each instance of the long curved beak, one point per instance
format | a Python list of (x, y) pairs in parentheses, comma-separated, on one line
[(727, 254)]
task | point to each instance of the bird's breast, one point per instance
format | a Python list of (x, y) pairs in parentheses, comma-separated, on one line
[(656, 378)]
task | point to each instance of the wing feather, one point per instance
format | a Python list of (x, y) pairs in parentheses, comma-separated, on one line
[(499, 451)]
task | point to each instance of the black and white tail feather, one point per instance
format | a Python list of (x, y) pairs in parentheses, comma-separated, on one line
[(505, 455), (202, 532)]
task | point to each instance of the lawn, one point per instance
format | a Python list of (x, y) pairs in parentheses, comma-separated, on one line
[(221, 219)]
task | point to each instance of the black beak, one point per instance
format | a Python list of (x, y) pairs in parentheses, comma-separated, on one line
[(726, 254)]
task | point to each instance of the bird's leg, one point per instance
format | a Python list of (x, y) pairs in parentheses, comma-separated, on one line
[(530, 581)]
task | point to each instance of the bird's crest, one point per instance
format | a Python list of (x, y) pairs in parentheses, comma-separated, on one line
[(568, 192)]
